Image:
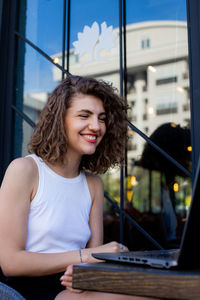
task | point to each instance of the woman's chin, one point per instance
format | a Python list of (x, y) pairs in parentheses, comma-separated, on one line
[(89, 151)]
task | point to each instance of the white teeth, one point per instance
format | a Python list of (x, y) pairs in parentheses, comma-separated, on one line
[(91, 137)]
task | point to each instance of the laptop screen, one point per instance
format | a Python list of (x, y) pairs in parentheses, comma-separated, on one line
[(190, 243)]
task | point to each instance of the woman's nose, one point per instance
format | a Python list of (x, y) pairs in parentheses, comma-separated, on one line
[(94, 124)]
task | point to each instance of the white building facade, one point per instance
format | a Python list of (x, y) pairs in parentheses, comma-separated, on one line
[(157, 74)]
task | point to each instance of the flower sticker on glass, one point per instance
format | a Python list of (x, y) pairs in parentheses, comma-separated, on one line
[(92, 42)]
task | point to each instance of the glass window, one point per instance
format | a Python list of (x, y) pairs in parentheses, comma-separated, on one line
[(157, 85), (145, 43), (44, 21), (157, 67)]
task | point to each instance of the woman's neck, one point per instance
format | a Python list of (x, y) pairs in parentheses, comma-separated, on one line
[(69, 168)]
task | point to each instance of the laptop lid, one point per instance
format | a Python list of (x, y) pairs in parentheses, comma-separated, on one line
[(188, 256), (190, 242)]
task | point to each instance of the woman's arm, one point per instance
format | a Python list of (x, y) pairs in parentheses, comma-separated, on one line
[(96, 214), (95, 244), (17, 190)]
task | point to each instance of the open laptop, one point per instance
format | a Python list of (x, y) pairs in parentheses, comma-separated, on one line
[(188, 256)]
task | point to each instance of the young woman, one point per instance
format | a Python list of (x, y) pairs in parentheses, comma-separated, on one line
[(50, 208)]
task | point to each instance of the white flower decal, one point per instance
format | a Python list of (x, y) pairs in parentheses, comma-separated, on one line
[(106, 39), (89, 41)]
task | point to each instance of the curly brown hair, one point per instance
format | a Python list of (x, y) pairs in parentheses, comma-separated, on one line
[(49, 140)]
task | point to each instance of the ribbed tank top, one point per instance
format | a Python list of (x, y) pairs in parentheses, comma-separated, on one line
[(58, 219)]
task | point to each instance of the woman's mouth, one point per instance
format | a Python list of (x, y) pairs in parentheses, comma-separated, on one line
[(90, 138)]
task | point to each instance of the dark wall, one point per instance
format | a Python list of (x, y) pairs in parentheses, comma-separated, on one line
[(1, 6), (7, 79)]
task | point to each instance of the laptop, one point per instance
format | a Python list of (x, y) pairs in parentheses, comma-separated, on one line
[(188, 256)]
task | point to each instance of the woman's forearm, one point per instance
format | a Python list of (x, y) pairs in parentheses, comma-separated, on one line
[(24, 263)]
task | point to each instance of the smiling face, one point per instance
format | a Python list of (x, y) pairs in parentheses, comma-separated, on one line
[(85, 125)]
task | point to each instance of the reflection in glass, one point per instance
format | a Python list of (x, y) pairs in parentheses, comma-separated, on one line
[(44, 24), (159, 101), (158, 85), (32, 91), (23, 132), (94, 40), (39, 81), (39, 76), (157, 194)]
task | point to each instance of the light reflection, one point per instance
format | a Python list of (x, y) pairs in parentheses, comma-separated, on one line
[(133, 181), (151, 68), (151, 110), (56, 60), (173, 125), (131, 132), (176, 187), (180, 89)]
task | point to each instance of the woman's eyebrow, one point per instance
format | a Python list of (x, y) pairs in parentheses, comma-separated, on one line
[(102, 113), (85, 111), (90, 112)]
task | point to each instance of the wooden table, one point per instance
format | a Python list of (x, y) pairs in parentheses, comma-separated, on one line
[(132, 280)]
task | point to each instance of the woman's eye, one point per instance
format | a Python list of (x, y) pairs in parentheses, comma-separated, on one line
[(84, 116), (102, 119)]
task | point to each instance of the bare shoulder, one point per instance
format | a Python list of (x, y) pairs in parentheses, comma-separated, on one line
[(24, 164), (21, 169), (95, 184), (94, 180), (20, 181)]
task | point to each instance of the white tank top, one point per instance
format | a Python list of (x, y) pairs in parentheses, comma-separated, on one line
[(58, 220)]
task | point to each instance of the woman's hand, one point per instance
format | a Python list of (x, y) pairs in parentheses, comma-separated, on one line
[(66, 280), (109, 247)]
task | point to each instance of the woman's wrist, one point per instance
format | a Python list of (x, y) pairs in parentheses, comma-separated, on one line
[(80, 255), (84, 255)]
